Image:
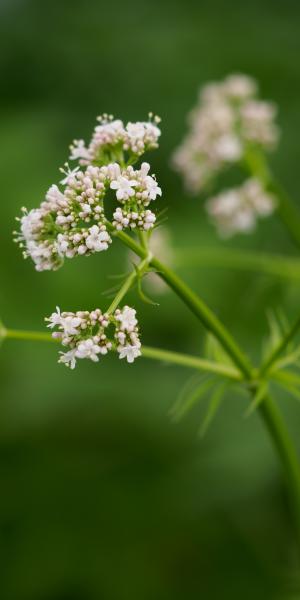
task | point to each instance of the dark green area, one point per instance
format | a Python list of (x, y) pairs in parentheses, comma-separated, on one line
[(101, 496)]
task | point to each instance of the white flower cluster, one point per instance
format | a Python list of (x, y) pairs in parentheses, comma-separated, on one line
[(85, 334), (227, 120), (135, 189), (111, 139), (236, 210), (68, 222), (71, 222)]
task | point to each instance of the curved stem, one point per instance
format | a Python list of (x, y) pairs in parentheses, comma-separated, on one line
[(268, 411), (195, 304), (130, 280)]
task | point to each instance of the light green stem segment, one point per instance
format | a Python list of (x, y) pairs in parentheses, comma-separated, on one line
[(130, 280), (183, 360), (18, 334), (193, 362)]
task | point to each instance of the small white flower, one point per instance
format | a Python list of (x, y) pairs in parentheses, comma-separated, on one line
[(70, 324), (88, 349), (55, 319), (127, 318), (97, 239), (79, 150), (152, 187), (130, 352), (124, 187), (69, 174), (68, 358)]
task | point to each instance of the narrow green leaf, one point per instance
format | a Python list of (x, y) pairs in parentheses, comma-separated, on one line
[(287, 377), (215, 352), (144, 296), (291, 389), (187, 388), (258, 398), (275, 330), (212, 409), (190, 400)]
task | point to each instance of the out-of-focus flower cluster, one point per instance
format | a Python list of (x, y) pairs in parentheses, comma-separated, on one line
[(71, 220), (228, 119), (236, 210), (93, 334), (113, 141)]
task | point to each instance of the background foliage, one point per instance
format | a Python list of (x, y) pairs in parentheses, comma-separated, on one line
[(101, 495)]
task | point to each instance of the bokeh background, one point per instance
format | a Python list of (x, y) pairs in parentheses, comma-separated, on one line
[(101, 495)]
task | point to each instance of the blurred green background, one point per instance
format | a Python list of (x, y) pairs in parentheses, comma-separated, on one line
[(101, 496)]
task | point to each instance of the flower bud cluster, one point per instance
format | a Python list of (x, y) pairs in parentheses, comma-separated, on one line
[(112, 139), (227, 120), (236, 210), (71, 221), (135, 189), (88, 334)]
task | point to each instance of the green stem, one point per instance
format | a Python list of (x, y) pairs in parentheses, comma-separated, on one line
[(35, 336), (256, 164), (267, 409), (184, 360), (287, 454), (192, 362), (287, 210), (270, 415), (130, 280), (195, 304), (280, 348)]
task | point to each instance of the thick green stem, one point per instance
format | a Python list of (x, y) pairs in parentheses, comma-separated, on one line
[(287, 454), (268, 411)]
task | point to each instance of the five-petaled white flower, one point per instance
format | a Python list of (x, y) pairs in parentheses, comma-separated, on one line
[(68, 358), (127, 318), (124, 187), (130, 352), (88, 349), (55, 319)]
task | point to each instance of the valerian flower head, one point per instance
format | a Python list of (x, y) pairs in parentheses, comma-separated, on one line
[(112, 140), (236, 210), (93, 334), (227, 121), (71, 221)]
